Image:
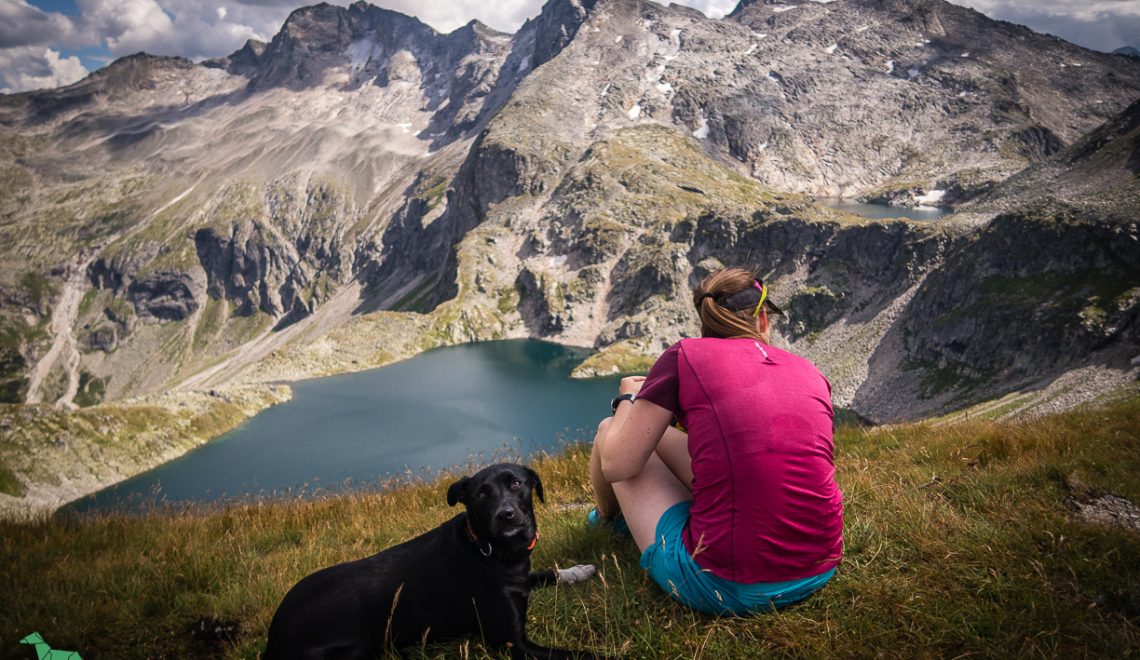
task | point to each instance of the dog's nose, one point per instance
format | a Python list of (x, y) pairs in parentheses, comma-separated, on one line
[(506, 513)]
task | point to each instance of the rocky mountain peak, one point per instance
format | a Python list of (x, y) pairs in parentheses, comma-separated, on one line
[(479, 27), (243, 61), (127, 83), (313, 38), (138, 69), (476, 36), (556, 26)]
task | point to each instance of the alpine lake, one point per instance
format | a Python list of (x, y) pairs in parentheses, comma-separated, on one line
[(464, 405), (455, 407)]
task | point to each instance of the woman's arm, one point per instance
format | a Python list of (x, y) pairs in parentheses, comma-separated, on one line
[(633, 434)]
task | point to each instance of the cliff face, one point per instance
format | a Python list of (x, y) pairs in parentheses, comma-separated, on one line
[(182, 225)]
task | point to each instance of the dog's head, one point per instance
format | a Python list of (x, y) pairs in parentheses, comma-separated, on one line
[(498, 501)]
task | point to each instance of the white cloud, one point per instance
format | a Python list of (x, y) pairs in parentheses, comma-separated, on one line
[(24, 25), (1098, 24), (30, 67), (502, 15), (186, 28), (710, 8), (126, 26), (1082, 10)]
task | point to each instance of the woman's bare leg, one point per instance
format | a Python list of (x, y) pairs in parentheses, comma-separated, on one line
[(674, 452), (642, 499), (646, 496), (604, 497)]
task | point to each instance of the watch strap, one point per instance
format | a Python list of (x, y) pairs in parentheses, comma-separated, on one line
[(628, 396)]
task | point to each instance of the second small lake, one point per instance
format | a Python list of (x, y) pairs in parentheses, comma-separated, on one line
[(882, 211)]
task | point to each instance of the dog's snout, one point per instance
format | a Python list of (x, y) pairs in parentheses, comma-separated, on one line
[(506, 513)]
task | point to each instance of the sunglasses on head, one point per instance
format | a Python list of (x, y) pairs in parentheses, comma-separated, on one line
[(752, 299)]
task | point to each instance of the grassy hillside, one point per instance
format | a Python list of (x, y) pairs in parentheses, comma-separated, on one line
[(961, 539)]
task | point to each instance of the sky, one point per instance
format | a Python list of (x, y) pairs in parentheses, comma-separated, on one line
[(48, 43)]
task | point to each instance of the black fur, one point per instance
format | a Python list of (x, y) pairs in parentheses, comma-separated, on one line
[(468, 577)]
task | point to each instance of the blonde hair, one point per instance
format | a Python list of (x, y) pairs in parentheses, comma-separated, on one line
[(719, 321)]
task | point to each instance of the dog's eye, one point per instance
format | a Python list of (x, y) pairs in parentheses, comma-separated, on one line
[(516, 484), (481, 495)]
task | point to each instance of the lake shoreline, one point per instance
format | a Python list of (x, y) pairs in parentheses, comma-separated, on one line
[(58, 457)]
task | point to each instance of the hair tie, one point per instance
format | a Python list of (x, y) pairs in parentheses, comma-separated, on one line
[(702, 297)]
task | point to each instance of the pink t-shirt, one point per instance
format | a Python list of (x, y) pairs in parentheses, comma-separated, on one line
[(766, 507)]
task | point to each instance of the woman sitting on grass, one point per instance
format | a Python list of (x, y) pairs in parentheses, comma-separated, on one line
[(721, 462)]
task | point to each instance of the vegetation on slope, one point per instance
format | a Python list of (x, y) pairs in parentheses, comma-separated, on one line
[(49, 456), (960, 539)]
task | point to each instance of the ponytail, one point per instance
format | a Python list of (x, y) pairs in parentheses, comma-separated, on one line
[(717, 319)]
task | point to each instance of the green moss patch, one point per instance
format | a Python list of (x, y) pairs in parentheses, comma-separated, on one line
[(10, 484), (91, 390)]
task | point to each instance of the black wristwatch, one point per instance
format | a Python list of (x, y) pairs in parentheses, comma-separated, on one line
[(622, 397)]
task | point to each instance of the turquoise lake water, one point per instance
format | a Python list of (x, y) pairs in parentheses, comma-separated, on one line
[(447, 407)]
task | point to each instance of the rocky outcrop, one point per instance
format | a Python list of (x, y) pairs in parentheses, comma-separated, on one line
[(556, 27), (314, 39), (1033, 292), (540, 303), (243, 62), (127, 85), (167, 296), (241, 266)]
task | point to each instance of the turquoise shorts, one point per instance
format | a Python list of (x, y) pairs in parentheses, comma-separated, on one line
[(671, 567)]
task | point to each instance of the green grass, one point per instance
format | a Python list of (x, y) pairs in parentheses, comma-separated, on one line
[(414, 299), (1102, 285), (9, 483), (432, 190), (38, 290), (958, 542), (91, 390), (623, 357)]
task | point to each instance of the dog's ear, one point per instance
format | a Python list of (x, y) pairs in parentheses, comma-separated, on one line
[(457, 492), (536, 482)]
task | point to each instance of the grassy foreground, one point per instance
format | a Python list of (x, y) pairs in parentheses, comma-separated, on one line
[(959, 541)]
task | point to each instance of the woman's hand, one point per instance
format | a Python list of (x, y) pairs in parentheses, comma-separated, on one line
[(631, 385)]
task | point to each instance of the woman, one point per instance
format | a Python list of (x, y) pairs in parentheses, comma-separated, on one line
[(721, 461)]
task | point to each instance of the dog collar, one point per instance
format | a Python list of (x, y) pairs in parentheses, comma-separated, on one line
[(485, 548)]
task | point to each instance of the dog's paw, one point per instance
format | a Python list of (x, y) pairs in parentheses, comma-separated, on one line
[(579, 573)]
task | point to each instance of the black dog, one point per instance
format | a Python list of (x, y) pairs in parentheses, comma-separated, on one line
[(469, 576)]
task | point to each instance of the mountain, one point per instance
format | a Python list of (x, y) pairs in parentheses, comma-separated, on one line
[(363, 187)]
